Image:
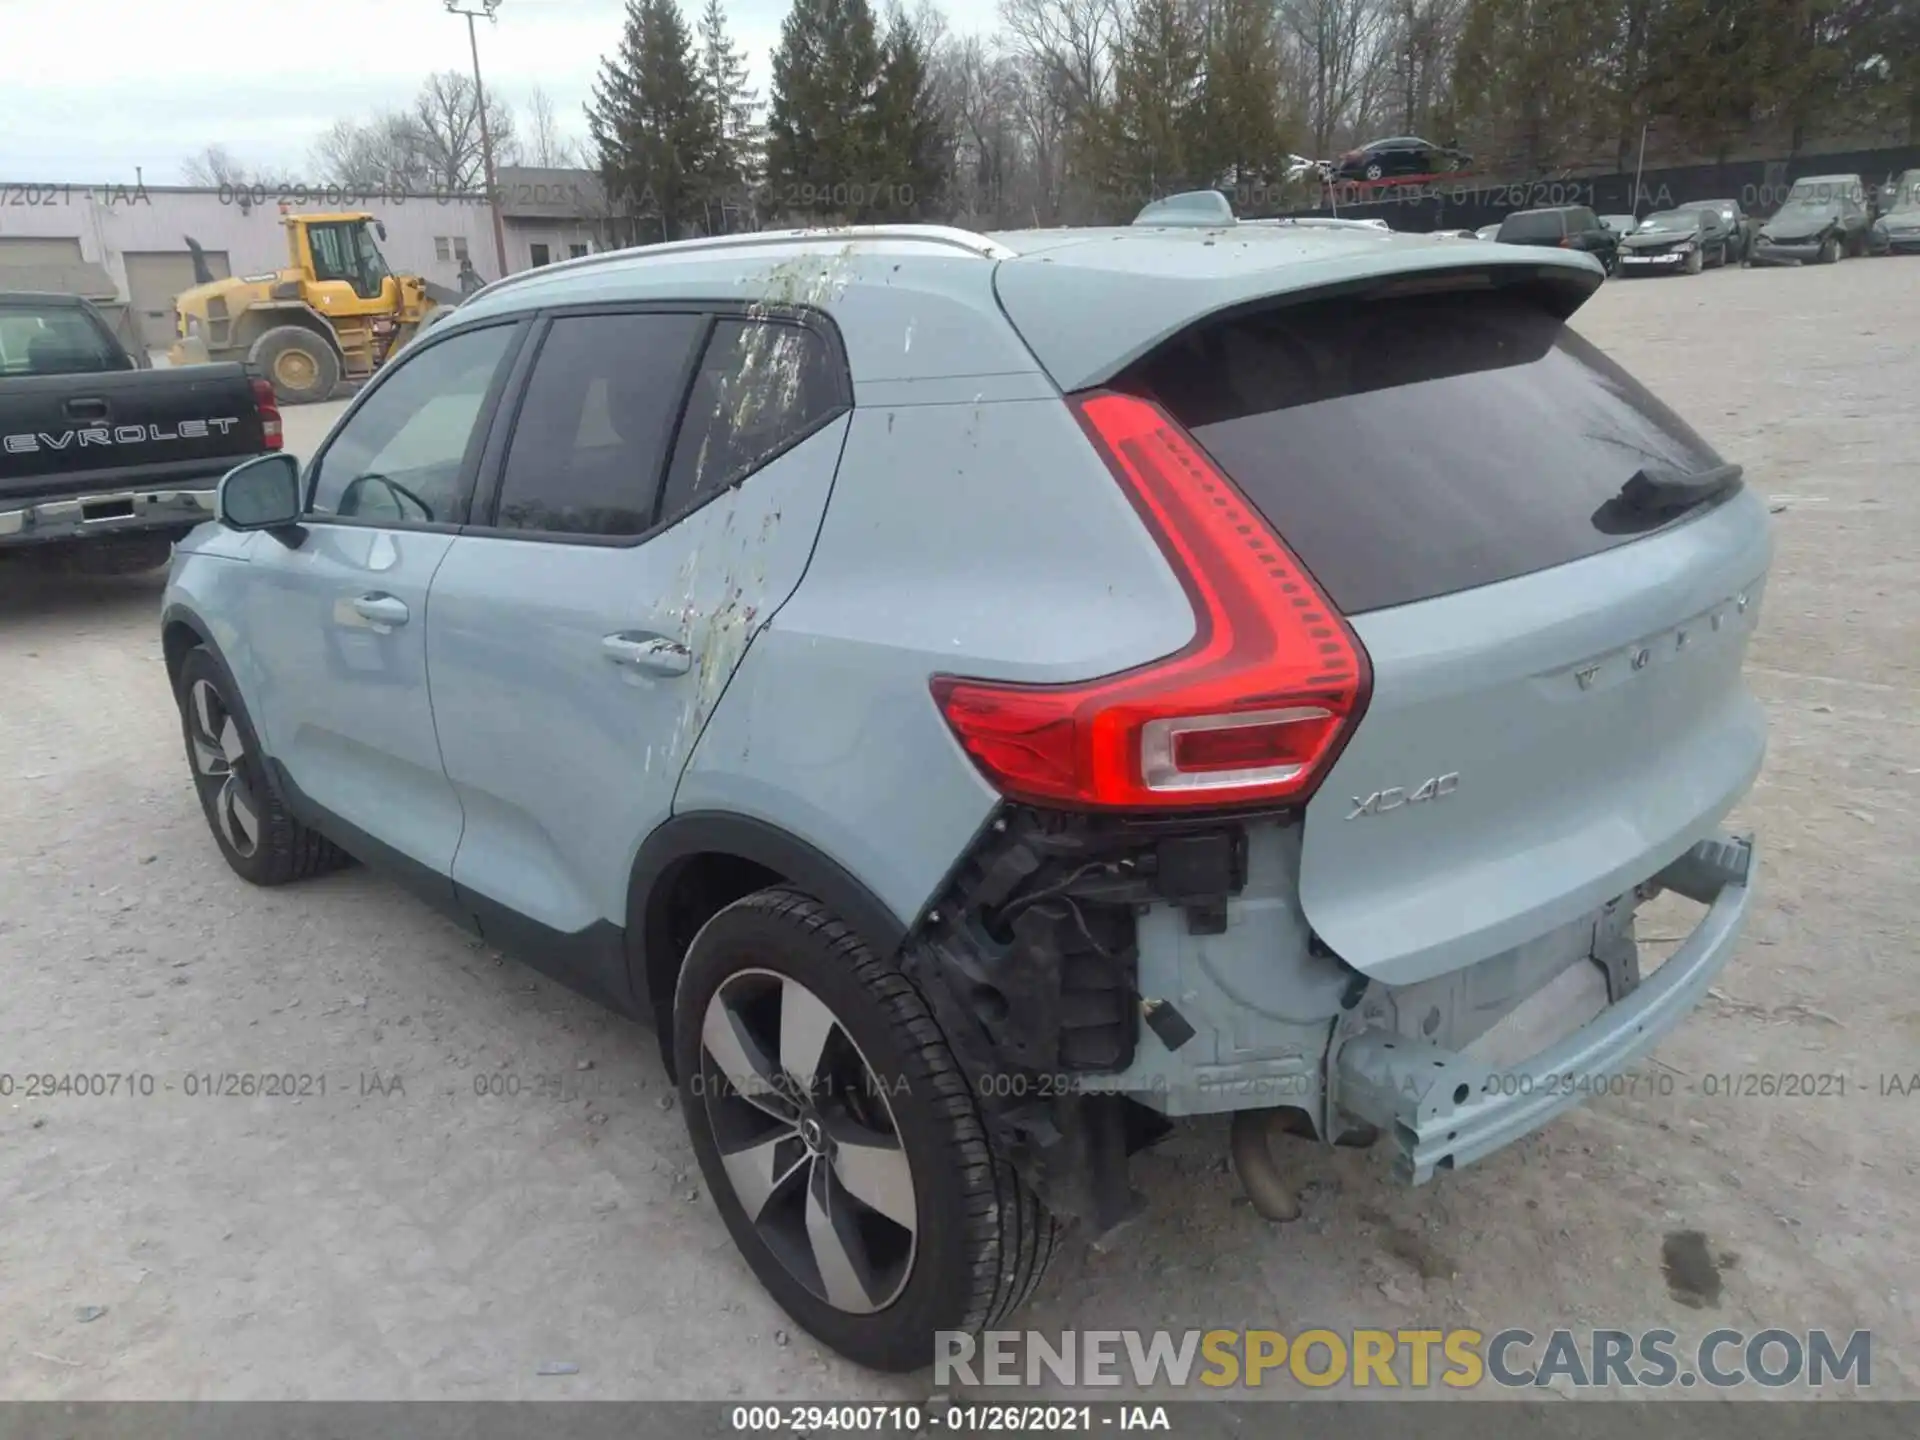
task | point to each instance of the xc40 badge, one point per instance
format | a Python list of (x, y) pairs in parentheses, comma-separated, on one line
[(1381, 801)]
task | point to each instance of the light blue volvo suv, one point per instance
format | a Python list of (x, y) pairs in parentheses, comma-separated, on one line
[(991, 697)]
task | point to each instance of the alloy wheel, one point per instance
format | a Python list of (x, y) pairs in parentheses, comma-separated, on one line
[(807, 1138), (218, 751)]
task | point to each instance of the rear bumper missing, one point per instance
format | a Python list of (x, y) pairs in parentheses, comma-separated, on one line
[(1444, 1109)]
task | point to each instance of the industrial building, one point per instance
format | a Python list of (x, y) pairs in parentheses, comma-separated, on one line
[(138, 233)]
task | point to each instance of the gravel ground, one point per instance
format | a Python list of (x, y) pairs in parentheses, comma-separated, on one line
[(404, 1236)]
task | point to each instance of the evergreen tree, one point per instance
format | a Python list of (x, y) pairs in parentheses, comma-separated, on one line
[(1242, 138), (914, 155), (736, 157), (1147, 140), (822, 130), (653, 125), (1527, 75)]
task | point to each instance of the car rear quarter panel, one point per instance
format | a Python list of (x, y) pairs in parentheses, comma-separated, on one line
[(966, 535)]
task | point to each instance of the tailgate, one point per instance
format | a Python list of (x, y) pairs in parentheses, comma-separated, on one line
[(1574, 731), (67, 434), (1557, 707)]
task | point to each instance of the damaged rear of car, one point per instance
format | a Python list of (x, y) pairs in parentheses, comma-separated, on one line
[(1464, 691), (1252, 670)]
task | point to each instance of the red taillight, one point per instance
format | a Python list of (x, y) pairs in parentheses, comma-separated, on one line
[(270, 430), (1254, 709)]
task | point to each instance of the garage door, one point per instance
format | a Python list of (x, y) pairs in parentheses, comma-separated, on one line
[(154, 277), (39, 250)]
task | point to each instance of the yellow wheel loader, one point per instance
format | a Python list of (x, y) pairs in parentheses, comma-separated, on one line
[(336, 312)]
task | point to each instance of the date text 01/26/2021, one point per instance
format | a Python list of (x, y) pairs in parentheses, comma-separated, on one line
[(956, 1419)]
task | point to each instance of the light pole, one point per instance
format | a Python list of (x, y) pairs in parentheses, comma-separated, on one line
[(488, 9), (1639, 168)]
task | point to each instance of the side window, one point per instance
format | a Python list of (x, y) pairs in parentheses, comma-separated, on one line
[(400, 457), (762, 386), (592, 435)]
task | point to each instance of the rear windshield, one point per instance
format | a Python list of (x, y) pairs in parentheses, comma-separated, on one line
[(1410, 447), (55, 340), (1540, 225)]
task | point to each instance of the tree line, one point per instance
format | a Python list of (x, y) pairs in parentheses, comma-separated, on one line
[(1081, 110)]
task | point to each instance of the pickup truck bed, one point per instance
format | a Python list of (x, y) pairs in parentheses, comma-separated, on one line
[(101, 459)]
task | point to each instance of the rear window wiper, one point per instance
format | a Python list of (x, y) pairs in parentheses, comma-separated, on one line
[(1656, 490)]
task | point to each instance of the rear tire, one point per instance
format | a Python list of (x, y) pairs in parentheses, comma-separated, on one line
[(300, 365), (957, 1240), (259, 840)]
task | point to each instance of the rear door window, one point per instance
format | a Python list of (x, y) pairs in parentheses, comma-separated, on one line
[(763, 387), (1412, 447), (590, 446)]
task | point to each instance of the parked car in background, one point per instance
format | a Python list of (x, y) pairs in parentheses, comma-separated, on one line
[(1728, 219), (1897, 231), (1488, 232), (1567, 227), (1621, 225), (1823, 218), (1888, 193), (1399, 157), (1673, 241)]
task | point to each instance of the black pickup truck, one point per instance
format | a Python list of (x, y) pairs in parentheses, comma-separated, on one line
[(105, 462)]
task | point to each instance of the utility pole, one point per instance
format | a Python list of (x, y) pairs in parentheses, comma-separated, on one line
[(1639, 168), (488, 9)]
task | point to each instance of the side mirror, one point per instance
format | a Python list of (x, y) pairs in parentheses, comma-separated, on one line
[(380, 228), (263, 494)]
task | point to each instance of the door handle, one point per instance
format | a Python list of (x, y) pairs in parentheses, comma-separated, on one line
[(655, 654), (382, 609), (86, 408)]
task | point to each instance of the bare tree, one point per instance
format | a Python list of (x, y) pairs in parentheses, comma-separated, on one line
[(1339, 51), (1043, 108), (216, 166), (976, 87), (1424, 37), (386, 153), (546, 145), (1075, 38), (448, 122)]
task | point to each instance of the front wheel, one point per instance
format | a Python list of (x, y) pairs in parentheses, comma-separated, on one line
[(841, 1141), (1696, 262), (258, 839), (300, 365), (1829, 251)]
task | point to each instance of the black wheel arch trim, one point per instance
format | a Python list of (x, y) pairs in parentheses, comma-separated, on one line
[(687, 836), (178, 613)]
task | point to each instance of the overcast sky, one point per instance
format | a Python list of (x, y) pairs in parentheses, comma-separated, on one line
[(90, 90)]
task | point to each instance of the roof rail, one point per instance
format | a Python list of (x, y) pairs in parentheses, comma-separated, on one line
[(940, 236)]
